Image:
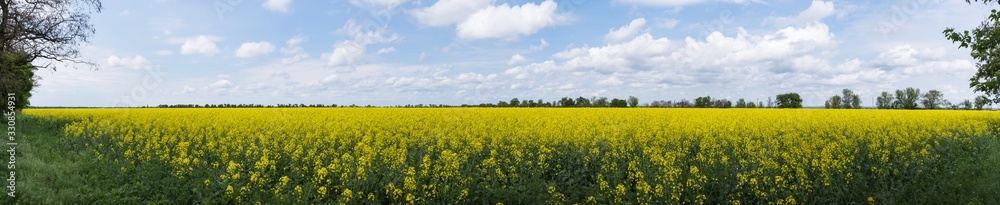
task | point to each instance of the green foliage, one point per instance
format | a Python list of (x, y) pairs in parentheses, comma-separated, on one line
[(933, 100), (884, 101), (618, 103), (567, 102), (18, 77), (602, 102), (981, 101), (907, 98), (984, 41), (582, 102), (789, 100), (703, 102), (833, 102), (850, 100)]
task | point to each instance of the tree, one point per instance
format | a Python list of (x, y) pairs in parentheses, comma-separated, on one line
[(601, 102), (884, 101), (703, 102), (514, 102), (967, 104), (981, 101), (933, 100), (633, 101), (833, 102), (18, 78), (618, 103), (566, 102), (46, 29), (751, 105), (789, 100), (984, 41), (741, 103), (684, 103), (850, 100), (907, 99), (582, 102), (40, 29)]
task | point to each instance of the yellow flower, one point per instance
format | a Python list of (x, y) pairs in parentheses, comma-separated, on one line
[(321, 191)]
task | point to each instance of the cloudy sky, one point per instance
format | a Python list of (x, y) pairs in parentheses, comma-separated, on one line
[(388, 52)]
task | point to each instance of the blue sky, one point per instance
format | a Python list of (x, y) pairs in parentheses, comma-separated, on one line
[(388, 52)]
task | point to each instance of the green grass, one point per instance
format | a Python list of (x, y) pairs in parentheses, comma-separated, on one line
[(49, 171)]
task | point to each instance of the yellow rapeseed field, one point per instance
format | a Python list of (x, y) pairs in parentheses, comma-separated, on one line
[(529, 155)]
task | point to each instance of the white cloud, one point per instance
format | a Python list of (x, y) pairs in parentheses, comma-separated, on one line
[(386, 50), (221, 84), (816, 12), (625, 32), (281, 75), (447, 12), (903, 55), (354, 50), (507, 22), (204, 45), (543, 44), (346, 53), (134, 62), (661, 2), (517, 59), (667, 23), (254, 49), (366, 37), (277, 5), (910, 61), (329, 79), (661, 62), (293, 50), (294, 41), (610, 81)]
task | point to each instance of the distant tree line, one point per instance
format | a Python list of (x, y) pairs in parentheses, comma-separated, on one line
[(909, 98), (789, 100), (581, 101), (237, 105)]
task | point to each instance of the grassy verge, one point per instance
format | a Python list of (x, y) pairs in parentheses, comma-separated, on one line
[(48, 170)]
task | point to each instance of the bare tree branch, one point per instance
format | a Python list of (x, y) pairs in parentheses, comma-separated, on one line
[(47, 29)]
